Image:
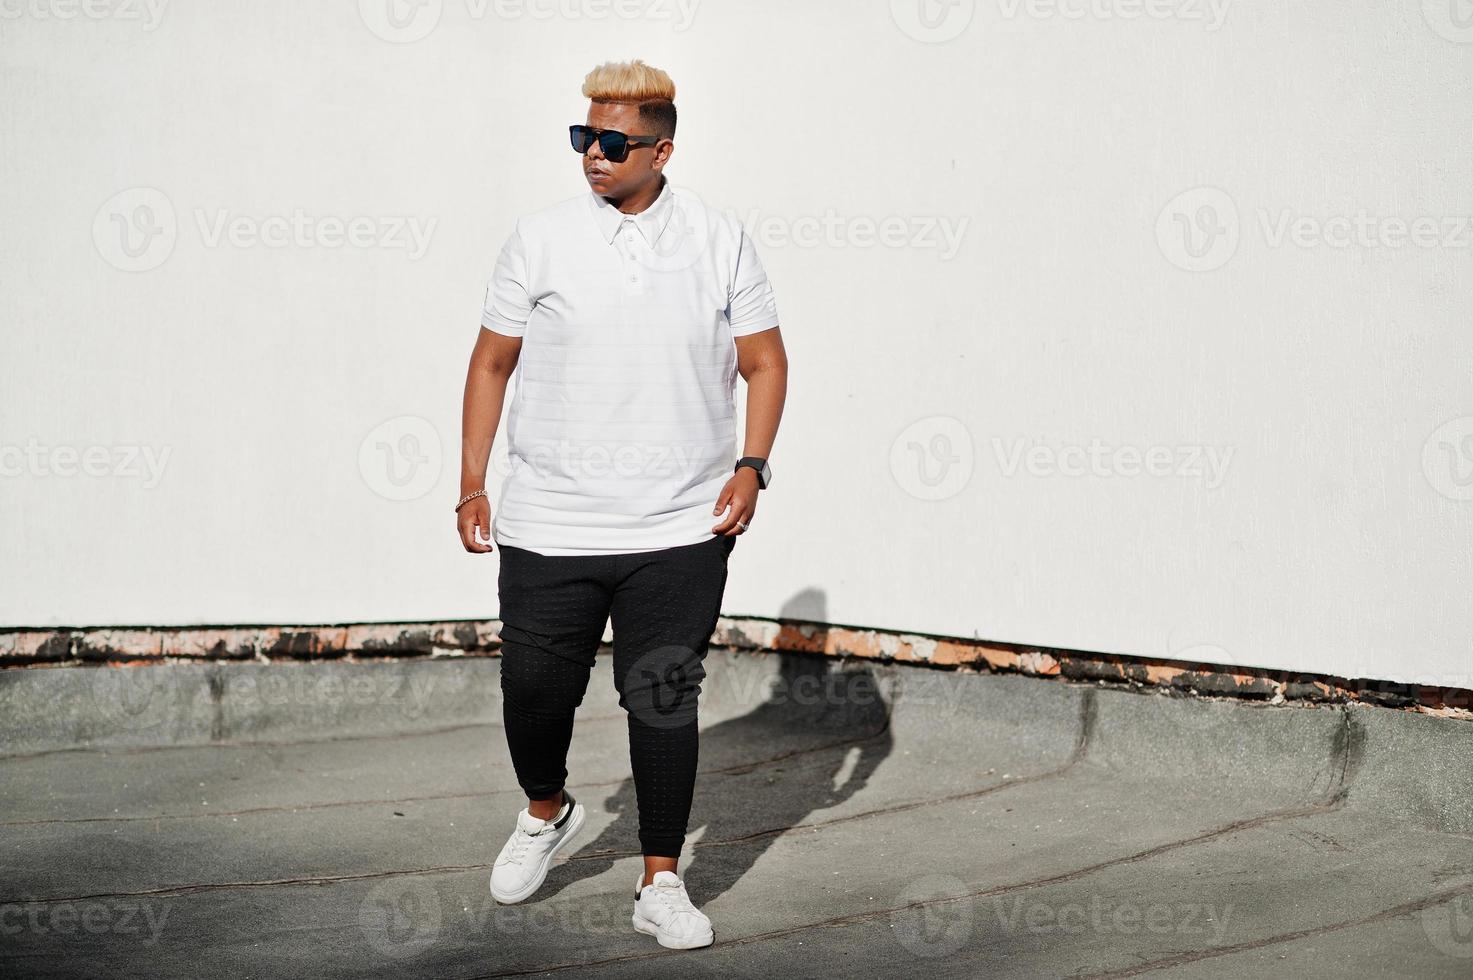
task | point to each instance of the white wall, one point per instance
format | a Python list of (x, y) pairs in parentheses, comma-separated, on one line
[(1060, 146)]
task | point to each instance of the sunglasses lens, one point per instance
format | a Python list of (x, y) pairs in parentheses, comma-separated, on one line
[(614, 145), (581, 138)]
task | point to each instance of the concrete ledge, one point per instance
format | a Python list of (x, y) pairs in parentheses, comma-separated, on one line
[(481, 638), (91, 645), (203, 703), (174, 703), (1416, 767)]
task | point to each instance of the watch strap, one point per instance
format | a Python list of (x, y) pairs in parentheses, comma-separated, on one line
[(760, 465)]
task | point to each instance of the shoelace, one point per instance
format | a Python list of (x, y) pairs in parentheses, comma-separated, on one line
[(675, 898), (519, 842)]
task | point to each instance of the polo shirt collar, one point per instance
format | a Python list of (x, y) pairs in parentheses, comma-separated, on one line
[(651, 221)]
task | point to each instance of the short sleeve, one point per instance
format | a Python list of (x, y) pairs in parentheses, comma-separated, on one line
[(752, 307), (508, 298)]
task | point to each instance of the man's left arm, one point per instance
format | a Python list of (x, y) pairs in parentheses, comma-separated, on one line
[(763, 363)]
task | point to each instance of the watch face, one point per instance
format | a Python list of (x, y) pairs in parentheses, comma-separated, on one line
[(764, 472)]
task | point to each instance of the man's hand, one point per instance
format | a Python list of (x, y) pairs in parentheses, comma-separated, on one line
[(473, 518), (740, 493)]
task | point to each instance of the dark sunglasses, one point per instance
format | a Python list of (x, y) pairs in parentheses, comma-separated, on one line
[(614, 144)]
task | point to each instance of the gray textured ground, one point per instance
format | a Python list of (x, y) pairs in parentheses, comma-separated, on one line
[(326, 820)]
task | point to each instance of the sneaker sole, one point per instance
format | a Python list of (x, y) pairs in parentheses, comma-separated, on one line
[(670, 942), (575, 824)]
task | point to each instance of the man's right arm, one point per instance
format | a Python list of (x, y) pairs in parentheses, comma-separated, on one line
[(492, 362), (504, 315)]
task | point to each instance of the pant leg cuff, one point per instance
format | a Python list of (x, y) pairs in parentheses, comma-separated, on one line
[(666, 847)]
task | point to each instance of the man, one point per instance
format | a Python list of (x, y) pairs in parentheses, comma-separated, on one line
[(626, 313)]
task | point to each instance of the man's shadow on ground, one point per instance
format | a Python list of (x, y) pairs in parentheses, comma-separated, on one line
[(814, 743)]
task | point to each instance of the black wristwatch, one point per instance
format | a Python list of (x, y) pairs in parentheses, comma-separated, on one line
[(764, 472)]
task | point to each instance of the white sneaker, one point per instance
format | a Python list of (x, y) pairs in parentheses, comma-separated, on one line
[(522, 865), (662, 909)]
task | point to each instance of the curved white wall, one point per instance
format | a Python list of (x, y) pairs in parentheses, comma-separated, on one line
[(1122, 325)]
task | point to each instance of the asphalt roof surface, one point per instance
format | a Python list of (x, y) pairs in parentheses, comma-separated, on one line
[(853, 818)]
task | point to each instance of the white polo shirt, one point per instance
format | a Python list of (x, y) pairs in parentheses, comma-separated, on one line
[(622, 429)]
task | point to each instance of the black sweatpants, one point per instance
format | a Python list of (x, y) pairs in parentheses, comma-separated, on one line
[(664, 606)]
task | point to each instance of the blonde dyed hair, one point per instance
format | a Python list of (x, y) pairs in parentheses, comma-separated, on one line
[(628, 81)]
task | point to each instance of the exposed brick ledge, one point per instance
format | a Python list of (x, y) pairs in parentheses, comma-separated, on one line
[(140, 645)]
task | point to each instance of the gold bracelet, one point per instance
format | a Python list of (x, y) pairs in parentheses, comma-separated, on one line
[(469, 496)]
